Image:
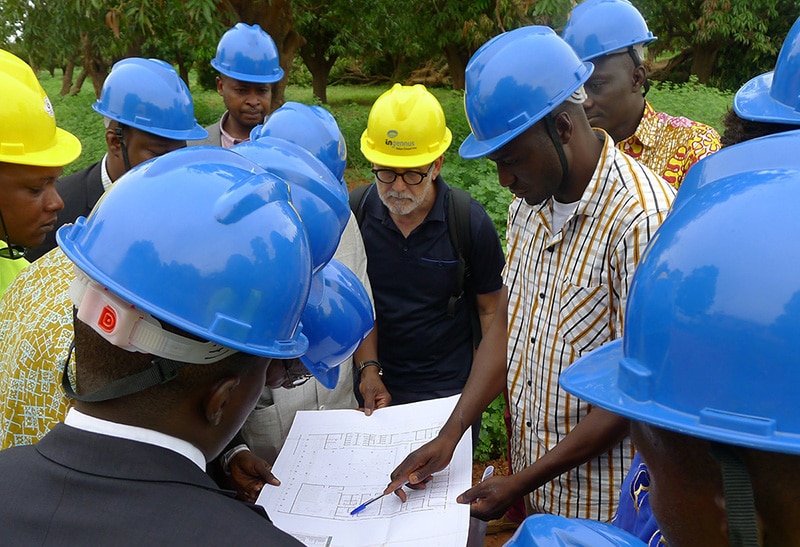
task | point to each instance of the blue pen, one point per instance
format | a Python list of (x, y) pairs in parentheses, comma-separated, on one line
[(376, 498)]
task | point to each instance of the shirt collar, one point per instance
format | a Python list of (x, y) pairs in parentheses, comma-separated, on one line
[(226, 140), (84, 422), (645, 133), (104, 177), (593, 198)]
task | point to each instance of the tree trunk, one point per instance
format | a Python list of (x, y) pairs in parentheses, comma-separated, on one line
[(93, 66), (79, 83), (703, 61), (66, 78), (319, 67), (456, 64)]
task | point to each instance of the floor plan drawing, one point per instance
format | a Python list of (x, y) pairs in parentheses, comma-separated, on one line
[(333, 461)]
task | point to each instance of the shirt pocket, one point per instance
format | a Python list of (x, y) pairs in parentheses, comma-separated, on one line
[(584, 316)]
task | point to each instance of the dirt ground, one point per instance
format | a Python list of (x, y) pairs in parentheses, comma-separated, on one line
[(499, 538)]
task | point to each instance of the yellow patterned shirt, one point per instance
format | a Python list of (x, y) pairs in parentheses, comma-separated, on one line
[(567, 293), (35, 336), (670, 145)]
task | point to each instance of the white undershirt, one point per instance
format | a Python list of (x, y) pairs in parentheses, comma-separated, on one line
[(561, 212), (84, 422)]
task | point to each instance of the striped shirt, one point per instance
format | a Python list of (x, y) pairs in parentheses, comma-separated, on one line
[(670, 145), (567, 294)]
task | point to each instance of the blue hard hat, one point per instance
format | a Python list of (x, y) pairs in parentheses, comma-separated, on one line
[(337, 318), (513, 81), (599, 27), (316, 193), (248, 54), (149, 95), (775, 96), (713, 315), (718, 167), (204, 240), (544, 530), (311, 127)]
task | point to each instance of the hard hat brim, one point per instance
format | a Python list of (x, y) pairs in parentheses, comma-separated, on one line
[(754, 102), (595, 378), (404, 161), (275, 77), (196, 133), (65, 150), (328, 377)]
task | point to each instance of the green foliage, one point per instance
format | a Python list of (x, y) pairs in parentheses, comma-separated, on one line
[(692, 100), (75, 114), (493, 439), (740, 37)]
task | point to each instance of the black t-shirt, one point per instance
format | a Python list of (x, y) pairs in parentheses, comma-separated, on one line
[(420, 346)]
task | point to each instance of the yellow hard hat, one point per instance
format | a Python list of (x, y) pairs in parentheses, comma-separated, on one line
[(28, 132), (406, 128)]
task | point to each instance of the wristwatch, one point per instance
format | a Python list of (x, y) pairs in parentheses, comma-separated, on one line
[(371, 363)]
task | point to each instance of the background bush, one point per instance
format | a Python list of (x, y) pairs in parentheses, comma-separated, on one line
[(350, 106)]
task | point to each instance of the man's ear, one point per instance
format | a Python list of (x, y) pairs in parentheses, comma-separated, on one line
[(564, 126), (217, 397), (220, 83), (639, 77), (112, 140)]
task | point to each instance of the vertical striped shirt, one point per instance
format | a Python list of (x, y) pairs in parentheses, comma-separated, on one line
[(567, 294)]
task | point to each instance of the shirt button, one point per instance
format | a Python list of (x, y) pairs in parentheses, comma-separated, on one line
[(529, 424), (541, 295), (405, 249), (533, 340), (551, 248), (322, 407), (530, 382)]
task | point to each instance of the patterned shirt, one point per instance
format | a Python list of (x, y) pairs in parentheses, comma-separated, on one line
[(35, 336), (670, 145), (567, 295)]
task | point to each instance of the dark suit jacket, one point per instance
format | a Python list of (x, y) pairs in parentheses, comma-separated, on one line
[(80, 191), (214, 136), (79, 488)]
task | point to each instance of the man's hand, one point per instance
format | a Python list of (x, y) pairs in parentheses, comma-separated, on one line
[(420, 465), (373, 391), (489, 499), (249, 473)]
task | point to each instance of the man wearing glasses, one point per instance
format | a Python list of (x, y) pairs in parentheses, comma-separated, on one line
[(422, 348), (33, 152)]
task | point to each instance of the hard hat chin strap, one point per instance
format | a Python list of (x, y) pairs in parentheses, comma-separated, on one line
[(160, 372), (550, 124), (125, 161), (739, 501)]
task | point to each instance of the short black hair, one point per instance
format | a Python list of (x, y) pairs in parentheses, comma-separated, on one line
[(738, 129)]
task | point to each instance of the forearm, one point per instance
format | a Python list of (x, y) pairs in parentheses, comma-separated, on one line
[(487, 378), (368, 350), (596, 434)]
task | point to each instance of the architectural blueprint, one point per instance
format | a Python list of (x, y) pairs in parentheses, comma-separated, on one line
[(335, 460)]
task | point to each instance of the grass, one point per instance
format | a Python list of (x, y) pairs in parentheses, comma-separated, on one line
[(350, 106)]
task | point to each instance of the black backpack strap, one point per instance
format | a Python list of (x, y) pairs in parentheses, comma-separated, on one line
[(458, 227), (357, 198)]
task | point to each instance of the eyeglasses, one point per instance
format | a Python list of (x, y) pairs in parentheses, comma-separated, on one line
[(12, 252), (296, 373), (411, 178)]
